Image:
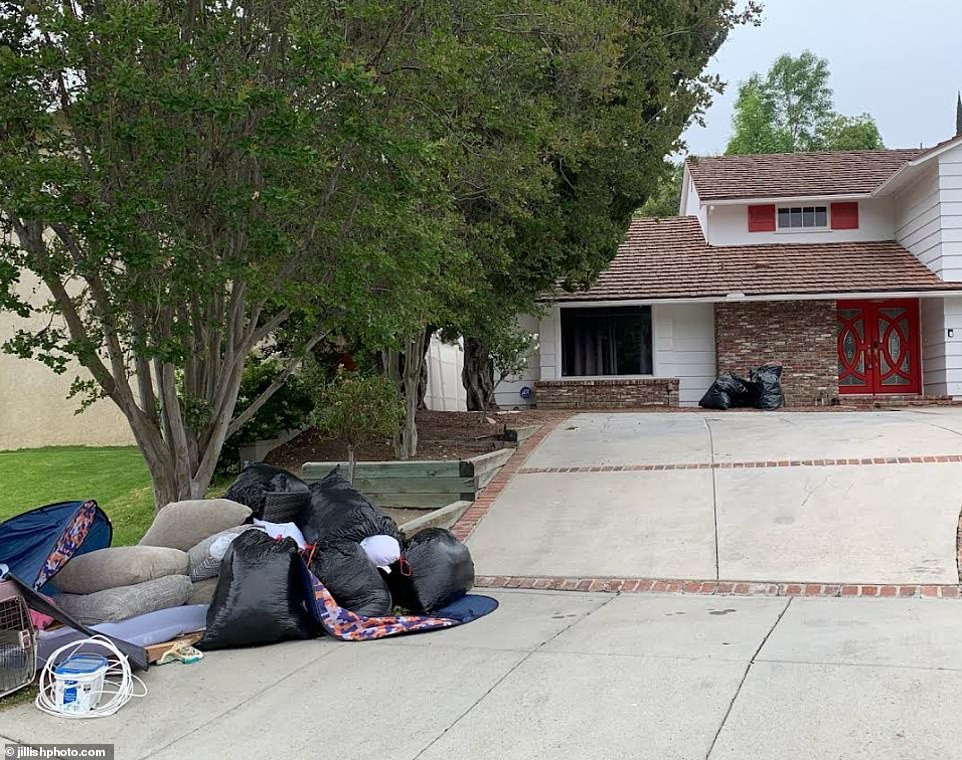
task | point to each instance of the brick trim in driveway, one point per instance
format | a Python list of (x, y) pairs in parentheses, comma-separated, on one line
[(940, 459), (718, 588)]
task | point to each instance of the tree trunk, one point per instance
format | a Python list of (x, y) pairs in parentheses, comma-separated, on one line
[(411, 377), (351, 464), (423, 382), (478, 376)]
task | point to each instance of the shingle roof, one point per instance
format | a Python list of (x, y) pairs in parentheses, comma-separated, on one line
[(669, 258), (786, 175)]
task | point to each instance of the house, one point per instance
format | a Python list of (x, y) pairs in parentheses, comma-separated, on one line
[(844, 266)]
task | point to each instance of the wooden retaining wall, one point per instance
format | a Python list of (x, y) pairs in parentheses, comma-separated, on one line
[(426, 484)]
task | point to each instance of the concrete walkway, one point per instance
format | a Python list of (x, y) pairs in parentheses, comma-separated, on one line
[(833, 497), (569, 675)]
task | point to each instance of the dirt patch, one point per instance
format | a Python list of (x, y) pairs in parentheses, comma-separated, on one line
[(441, 435)]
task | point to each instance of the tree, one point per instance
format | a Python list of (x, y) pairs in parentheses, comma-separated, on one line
[(958, 115), (548, 195), (357, 409), (666, 199), (187, 178), (791, 110), (852, 133)]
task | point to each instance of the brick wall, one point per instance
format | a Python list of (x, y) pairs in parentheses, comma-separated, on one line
[(800, 334), (606, 394)]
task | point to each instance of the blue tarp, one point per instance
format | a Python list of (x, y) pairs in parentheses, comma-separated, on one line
[(35, 544)]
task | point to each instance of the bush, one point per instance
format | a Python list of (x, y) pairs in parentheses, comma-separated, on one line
[(354, 409), (288, 409)]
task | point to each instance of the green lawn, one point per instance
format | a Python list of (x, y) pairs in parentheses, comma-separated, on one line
[(115, 476)]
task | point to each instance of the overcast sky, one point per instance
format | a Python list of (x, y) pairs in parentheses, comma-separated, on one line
[(899, 60)]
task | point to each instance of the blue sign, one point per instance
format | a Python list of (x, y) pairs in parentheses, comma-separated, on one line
[(526, 392)]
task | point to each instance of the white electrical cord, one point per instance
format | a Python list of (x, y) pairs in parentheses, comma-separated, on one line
[(118, 681)]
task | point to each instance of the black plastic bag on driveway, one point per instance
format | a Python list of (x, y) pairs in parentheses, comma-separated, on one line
[(768, 379), (259, 597), (257, 480), (339, 512), (435, 569), (727, 391)]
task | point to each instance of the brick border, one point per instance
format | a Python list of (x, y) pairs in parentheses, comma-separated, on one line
[(940, 459), (465, 526), (718, 588)]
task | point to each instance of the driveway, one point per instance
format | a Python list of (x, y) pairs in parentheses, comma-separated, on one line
[(552, 675), (830, 497)]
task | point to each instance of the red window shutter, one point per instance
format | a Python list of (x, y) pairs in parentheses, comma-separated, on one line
[(761, 218), (845, 216)]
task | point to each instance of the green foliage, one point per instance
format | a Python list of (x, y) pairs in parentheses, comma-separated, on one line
[(791, 110), (355, 409), (287, 409), (666, 200), (853, 133)]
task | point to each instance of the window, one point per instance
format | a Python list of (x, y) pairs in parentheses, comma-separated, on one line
[(613, 341), (803, 217)]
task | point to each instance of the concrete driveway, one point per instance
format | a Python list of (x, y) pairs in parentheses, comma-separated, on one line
[(831, 497), (569, 675)]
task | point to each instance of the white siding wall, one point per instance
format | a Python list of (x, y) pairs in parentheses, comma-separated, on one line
[(683, 340), (691, 203), (917, 222), (445, 392), (508, 393), (942, 355), (728, 225), (933, 346), (950, 196)]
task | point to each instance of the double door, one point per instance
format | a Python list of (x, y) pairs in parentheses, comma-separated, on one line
[(878, 346)]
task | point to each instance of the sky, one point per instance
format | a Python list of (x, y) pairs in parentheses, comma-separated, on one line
[(899, 60)]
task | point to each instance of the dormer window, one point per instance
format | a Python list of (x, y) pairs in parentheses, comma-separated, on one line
[(802, 217)]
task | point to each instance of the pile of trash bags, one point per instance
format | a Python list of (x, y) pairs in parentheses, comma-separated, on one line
[(762, 390), (344, 540)]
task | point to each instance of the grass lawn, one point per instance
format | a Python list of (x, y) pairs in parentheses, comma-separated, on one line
[(115, 476)]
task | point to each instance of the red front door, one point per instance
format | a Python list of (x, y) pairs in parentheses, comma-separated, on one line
[(878, 346)]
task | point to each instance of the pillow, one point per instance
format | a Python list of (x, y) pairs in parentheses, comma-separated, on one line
[(182, 524), (115, 604), (202, 592), (119, 566), (200, 554)]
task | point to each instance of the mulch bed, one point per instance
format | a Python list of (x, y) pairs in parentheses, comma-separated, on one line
[(441, 435)]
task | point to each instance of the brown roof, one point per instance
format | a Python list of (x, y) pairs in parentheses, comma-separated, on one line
[(786, 175), (669, 258)]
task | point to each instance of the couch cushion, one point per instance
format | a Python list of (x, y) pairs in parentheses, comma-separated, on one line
[(119, 566), (182, 524), (115, 604)]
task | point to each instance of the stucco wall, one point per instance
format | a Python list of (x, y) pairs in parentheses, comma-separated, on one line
[(34, 409)]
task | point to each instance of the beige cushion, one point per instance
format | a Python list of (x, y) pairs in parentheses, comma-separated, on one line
[(116, 604), (182, 524), (202, 592), (120, 566)]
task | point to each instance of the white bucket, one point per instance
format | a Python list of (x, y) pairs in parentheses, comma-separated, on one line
[(79, 683)]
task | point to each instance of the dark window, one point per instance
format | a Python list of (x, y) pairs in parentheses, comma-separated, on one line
[(606, 341)]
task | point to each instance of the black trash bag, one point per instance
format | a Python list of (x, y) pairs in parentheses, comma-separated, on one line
[(353, 580), (259, 597), (339, 512), (258, 479), (435, 569), (727, 391), (768, 379)]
